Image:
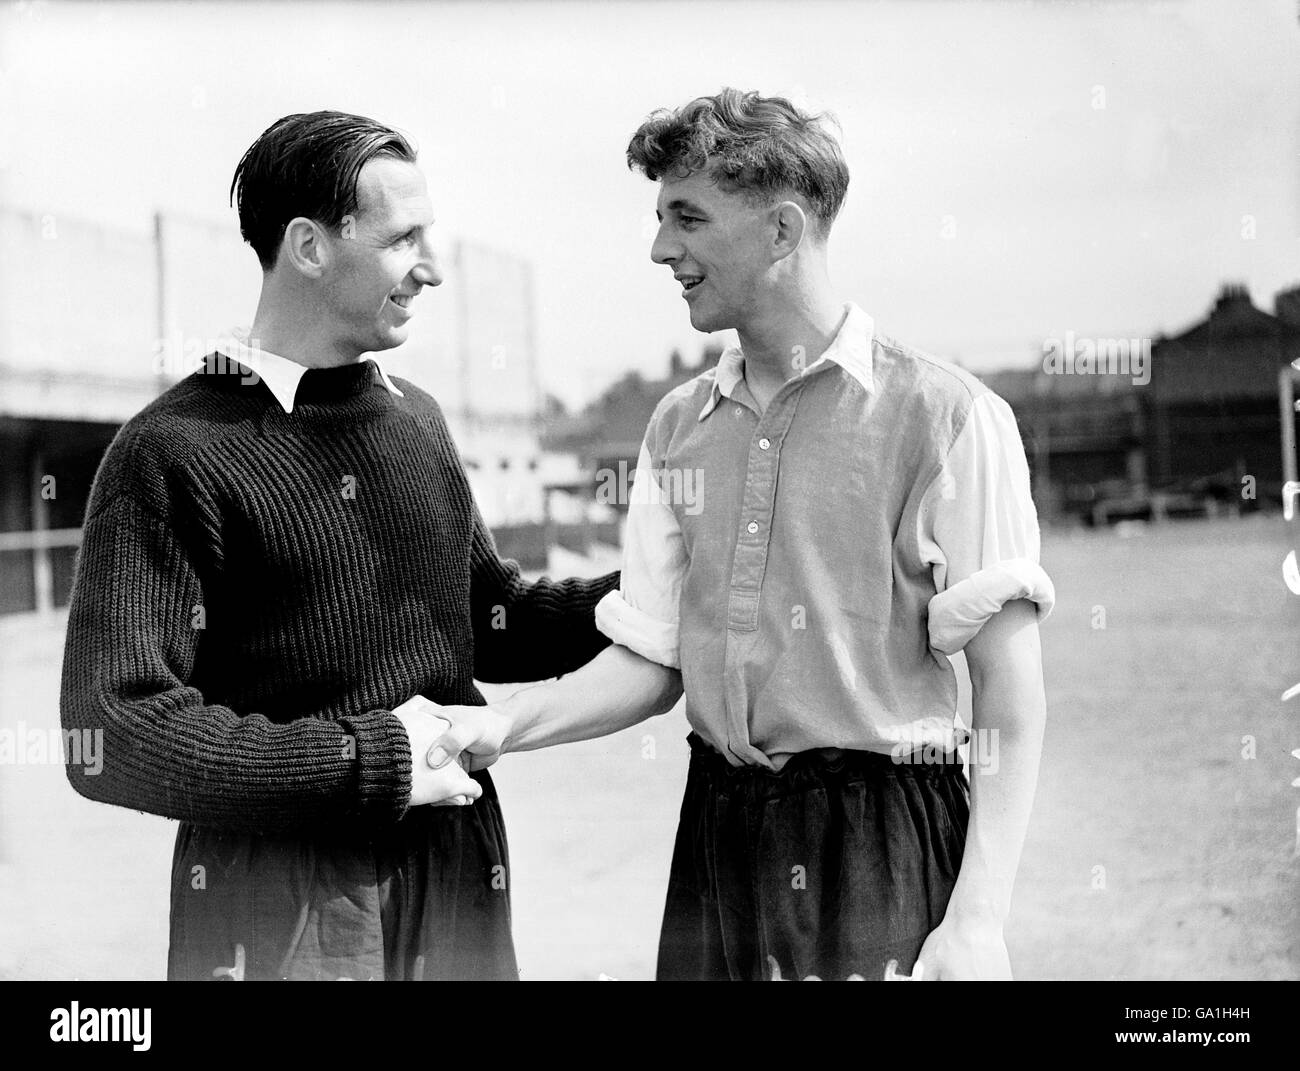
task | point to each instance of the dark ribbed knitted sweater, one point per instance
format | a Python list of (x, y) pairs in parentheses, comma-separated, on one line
[(256, 591)]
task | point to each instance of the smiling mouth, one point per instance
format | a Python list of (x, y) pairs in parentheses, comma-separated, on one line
[(690, 282), (402, 301)]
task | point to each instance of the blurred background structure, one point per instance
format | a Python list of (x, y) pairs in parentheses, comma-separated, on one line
[(1106, 448)]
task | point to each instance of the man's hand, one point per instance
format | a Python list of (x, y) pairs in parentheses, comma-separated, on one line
[(965, 950), (477, 736), (448, 786)]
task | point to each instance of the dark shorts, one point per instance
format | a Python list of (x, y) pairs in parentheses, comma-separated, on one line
[(425, 899), (831, 867)]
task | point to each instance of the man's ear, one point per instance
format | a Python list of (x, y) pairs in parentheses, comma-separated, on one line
[(304, 247), (791, 224)]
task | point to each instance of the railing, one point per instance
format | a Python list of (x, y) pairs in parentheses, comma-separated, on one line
[(40, 540), (40, 544), (526, 543)]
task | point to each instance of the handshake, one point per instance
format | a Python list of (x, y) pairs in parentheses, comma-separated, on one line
[(447, 743), (616, 689)]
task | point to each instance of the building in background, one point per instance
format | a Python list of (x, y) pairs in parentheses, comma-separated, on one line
[(1204, 435), (1083, 435), (95, 322), (606, 436), (1213, 405), (494, 405)]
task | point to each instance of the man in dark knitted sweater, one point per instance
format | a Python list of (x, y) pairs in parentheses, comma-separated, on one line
[(282, 570)]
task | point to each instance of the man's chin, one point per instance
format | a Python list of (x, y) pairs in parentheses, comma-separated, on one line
[(709, 325), (701, 321), (388, 339)]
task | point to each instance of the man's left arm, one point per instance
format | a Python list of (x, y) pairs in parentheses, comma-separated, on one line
[(978, 529), (529, 631), (1009, 708)]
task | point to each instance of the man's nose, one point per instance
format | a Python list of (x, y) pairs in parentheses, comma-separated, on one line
[(428, 272), (663, 250)]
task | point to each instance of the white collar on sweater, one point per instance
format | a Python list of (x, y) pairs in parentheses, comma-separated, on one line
[(280, 374)]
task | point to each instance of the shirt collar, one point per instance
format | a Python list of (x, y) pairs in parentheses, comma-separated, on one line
[(280, 374), (850, 349)]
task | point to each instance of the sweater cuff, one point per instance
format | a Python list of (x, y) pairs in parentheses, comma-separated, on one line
[(383, 765), (957, 614)]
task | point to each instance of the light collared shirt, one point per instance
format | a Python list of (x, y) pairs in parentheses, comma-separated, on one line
[(280, 374), (809, 567)]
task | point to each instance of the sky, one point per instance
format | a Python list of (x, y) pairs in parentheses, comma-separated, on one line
[(1018, 169)]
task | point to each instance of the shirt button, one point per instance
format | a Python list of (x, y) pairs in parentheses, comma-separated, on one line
[(752, 527), (739, 410), (764, 444)]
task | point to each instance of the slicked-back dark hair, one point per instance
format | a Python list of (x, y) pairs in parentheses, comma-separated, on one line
[(307, 165), (764, 145)]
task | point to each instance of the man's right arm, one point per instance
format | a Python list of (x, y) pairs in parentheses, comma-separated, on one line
[(133, 634), (615, 690), (634, 679)]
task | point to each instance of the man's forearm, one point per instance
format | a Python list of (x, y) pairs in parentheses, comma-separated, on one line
[(616, 689), (1008, 713), (529, 630), (165, 748)]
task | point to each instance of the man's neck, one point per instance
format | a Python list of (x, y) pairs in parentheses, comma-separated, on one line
[(790, 337), (298, 332)]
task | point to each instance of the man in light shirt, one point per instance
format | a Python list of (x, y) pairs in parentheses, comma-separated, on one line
[(865, 512)]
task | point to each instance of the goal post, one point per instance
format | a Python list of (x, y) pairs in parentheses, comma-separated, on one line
[(1287, 378)]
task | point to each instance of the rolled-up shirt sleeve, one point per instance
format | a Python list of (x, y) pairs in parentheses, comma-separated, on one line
[(978, 529), (643, 614)]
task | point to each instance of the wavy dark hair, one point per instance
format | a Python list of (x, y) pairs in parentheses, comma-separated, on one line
[(307, 165), (764, 145)]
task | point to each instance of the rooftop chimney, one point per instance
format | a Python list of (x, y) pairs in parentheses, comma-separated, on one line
[(1232, 294), (1286, 306)]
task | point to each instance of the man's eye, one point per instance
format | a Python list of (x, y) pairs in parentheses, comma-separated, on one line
[(688, 220)]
